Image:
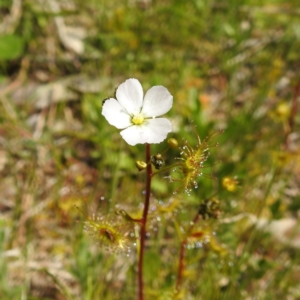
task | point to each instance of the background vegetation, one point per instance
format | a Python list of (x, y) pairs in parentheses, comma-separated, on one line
[(231, 64)]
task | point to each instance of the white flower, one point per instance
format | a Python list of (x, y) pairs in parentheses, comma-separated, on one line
[(137, 116)]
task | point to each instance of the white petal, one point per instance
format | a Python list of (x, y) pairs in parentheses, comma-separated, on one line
[(157, 130), (153, 131), (133, 135), (157, 102), (130, 95), (115, 114)]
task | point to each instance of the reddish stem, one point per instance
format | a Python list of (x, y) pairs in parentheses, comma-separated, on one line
[(293, 114), (181, 265), (143, 226)]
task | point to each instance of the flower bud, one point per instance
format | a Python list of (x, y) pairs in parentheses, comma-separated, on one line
[(230, 184), (141, 165), (157, 161), (173, 143)]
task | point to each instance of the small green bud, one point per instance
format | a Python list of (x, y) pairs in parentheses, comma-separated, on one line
[(173, 143), (141, 165)]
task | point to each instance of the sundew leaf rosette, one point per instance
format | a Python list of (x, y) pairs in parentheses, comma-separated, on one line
[(109, 232), (191, 162)]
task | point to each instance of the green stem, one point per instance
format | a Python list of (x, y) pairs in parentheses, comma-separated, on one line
[(165, 150), (165, 169), (143, 226)]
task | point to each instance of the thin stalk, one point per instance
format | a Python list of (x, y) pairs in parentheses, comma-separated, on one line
[(165, 169), (143, 226), (293, 114), (181, 265)]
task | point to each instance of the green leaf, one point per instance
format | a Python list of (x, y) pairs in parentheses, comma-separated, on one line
[(11, 47)]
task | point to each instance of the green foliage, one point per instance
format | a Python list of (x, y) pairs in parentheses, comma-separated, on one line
[(6, 290), (11, 47)]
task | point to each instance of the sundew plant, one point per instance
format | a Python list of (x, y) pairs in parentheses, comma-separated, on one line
[(149, 149), (139, 118)]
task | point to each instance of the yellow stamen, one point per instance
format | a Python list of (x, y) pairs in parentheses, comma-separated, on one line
[(138, 119)]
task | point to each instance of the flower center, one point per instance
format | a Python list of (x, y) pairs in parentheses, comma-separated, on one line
[(137, 119)]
